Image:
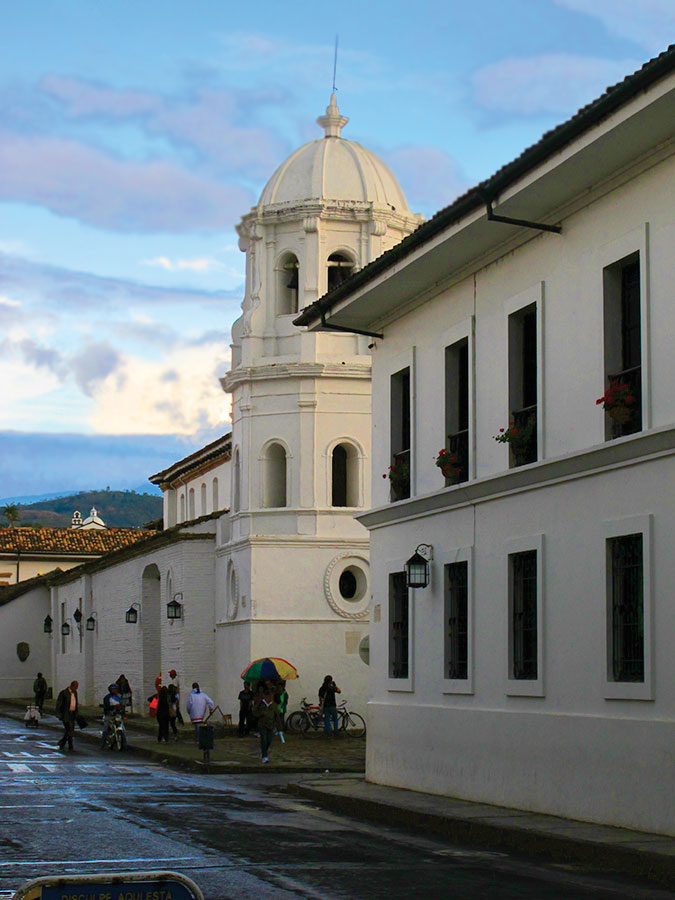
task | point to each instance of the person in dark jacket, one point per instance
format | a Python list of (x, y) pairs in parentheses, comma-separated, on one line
[(174, 710), (163, 715), (40, 691), (266, 711), (327, 693), (245, 702), (67, 709)]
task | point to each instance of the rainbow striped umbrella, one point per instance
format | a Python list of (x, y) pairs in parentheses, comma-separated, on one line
[(269, 667)]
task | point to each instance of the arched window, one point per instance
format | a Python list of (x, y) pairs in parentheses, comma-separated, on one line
[(182, 507), (214, 492), (345, 476), (288, 282), (340, 267), (191, 504), (274, 478), (203, 500), (236, 478)]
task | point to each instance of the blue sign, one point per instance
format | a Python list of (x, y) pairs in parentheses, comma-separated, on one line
[(131, 890)]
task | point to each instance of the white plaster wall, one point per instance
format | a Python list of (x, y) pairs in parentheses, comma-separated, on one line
[(21, 620), (116, 646), (569, 751), (222, 473)]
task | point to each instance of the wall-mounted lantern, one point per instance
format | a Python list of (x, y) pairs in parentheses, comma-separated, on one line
[(48, 625), (417, 567), (91, 622), (77, 615), (65, 628), (131, 615), (174, 609)]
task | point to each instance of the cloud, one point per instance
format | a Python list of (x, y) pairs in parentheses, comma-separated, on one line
[(43, 357), (7, 301), (557, 83), (178, 394), (200, 264), (429, 176), (649, 23), (217, 124), (93, 365), (75, 180)]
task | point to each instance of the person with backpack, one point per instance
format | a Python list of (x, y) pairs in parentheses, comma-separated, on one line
[(197, 704)]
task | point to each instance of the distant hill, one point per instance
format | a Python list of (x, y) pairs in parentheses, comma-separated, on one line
[(118, 509)]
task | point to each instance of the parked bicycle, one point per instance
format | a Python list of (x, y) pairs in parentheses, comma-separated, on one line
[(311, 716)]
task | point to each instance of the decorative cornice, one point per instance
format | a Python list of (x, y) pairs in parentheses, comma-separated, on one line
[(632, 450), (294, 370)]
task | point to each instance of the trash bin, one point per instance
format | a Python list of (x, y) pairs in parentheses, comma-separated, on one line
[(205, 736)]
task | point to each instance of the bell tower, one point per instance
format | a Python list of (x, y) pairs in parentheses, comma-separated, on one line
[(301, 400)]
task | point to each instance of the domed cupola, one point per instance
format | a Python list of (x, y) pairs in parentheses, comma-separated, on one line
[(334, 169)]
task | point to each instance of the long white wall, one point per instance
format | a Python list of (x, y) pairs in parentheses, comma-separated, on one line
[(21, 621)]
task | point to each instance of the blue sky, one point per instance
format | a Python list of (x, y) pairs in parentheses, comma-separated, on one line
[(133, 136)]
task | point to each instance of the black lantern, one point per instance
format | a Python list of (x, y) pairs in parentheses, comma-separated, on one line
[(417, 568), (174, 609), (48, 625), (65, 629), (77, 615), (131, 615), (91, 622)]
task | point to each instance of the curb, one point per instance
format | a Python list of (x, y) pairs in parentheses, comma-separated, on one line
[(541, 844), (214, 767)]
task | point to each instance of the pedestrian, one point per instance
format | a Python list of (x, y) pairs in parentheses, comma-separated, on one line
[(281, 698), (245, 701), (125, 693), (175, 682), (266, 711), (327, 702), (173, 710), (40, 691), (112, 704), (197, 704), (163, 715), (66, 710)]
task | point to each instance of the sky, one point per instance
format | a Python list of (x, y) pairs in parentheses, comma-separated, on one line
[(134, 136)]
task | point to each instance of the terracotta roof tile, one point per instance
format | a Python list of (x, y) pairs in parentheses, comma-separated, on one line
[(87, 542)]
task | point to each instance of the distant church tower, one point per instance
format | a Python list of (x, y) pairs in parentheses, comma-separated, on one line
[(292, 565)]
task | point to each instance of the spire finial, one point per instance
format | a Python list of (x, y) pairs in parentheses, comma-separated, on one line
[(332, 123)]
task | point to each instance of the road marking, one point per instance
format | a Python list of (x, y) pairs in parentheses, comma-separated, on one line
[(88, 767), (32, 806), (50, 767), (19, 768), (88, 862)]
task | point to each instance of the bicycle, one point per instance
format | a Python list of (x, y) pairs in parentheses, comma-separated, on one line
[(311, 716)]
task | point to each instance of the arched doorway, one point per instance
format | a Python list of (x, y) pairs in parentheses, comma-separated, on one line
[(152, 630)]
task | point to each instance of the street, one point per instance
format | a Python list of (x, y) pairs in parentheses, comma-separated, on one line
[(238, 836)]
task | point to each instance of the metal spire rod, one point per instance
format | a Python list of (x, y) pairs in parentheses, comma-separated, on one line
[(335, 63)]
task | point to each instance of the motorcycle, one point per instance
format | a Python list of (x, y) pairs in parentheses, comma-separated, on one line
[(116, 738)]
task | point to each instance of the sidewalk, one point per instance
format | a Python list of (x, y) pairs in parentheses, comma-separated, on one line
[(560, 840), (231, 754)]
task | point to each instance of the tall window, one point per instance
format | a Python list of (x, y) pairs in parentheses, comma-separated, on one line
[(214, 492), (399, 626), (344, 476), (523, 590), (457, 404), (523, 383), (623, 340), (456, 621), (191, 503), (400, 435), (626, 608), (203, 500), (63, 619), (288, 272), (274, 479), (236, 477), (340, 267), (182, 507)]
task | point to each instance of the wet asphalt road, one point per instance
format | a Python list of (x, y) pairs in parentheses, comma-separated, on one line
[(239, 836)]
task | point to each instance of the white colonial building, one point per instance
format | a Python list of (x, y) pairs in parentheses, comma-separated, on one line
[(536, 669), (261, 549)]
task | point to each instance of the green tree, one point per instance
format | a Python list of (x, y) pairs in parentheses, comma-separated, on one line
[(11, 512)]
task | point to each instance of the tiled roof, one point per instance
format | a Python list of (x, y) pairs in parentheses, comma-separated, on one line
[(220, 447), (78, 541), (550, 143)]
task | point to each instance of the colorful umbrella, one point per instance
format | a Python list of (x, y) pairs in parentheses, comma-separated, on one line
[(269, 667)]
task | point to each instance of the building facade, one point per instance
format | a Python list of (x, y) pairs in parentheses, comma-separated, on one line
[(527, 332)]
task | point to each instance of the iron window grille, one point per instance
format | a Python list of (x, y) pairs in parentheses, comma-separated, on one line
[(457, 634), (628, 653), (398, 659), (524, 614)]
